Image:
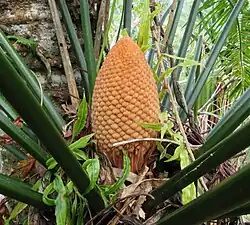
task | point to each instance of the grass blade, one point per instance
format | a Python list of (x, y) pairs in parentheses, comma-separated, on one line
[(164, 16), (7, 108), (191, 75), (88, 45), (15, 151)]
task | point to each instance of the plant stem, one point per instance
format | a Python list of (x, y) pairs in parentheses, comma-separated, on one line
[(7, 108), (88, 45), (76, 46), (127, 15), (24, 140), (20, 191), (169, 25)]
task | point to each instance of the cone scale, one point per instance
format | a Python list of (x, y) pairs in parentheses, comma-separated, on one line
[(125, 93)]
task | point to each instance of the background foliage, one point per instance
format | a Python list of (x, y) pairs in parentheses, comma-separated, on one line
[(199, 54)]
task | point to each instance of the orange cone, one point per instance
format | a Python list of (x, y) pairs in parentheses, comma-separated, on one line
[(125, 93)]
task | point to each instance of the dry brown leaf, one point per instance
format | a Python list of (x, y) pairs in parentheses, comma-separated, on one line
[(131, 188), (132, 177), (144, 187)]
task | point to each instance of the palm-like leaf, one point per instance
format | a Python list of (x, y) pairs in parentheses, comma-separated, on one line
[(234, 58)]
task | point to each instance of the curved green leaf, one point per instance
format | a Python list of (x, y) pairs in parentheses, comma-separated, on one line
[(214, 203), (81, 118), (122, 179), (88, 45), (92, 166)]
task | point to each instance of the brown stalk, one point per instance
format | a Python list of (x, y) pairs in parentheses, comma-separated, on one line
[(169, 25), (98, 33), (106, 18), (74, 95)]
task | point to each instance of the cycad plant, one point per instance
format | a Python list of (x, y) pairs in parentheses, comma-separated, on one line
[(183, 156)]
